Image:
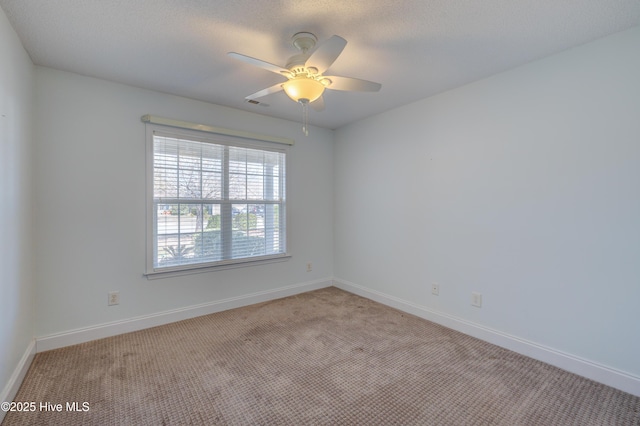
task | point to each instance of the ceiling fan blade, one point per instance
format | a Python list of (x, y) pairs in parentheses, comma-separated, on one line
[(260, 63), (264, 92), (326, 54), (352, 84), (318, 104)]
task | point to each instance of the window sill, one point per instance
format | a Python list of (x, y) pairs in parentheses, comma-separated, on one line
[(200, 269)]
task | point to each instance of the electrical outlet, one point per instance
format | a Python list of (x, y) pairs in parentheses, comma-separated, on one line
[(476, 299), (309, 266), (435, 289), (114, 298)]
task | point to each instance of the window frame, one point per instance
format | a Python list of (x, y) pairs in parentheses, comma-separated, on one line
[(217, 137)]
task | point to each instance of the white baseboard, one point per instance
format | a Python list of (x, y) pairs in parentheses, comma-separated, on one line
[(11, 389), (100, 331), (589, 369)]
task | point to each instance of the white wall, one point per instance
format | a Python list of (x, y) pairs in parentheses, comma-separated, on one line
[(16, 281), (90, 205), (524, 187)]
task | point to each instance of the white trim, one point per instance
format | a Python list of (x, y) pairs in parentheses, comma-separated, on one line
[(202, 268), (100, 331), (11, 389), (592, 370), (217, 130)]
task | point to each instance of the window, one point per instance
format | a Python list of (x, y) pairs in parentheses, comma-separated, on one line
[(213, 200)]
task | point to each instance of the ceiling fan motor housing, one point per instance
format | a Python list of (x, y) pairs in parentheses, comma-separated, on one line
[(304, 41)]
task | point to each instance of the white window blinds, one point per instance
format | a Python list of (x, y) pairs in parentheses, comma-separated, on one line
[(215, 200)]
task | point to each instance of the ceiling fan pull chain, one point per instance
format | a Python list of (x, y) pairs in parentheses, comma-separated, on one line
[(305, 116)]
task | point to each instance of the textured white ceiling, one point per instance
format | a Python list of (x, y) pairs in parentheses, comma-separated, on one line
[(415, 48)]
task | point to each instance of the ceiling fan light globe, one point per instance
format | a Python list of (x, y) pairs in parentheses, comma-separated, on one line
[(303, 88)]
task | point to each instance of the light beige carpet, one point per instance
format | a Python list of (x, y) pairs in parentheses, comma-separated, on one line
[(324, 357)]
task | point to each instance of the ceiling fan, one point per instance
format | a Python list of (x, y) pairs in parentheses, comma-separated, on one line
[(304, 73)]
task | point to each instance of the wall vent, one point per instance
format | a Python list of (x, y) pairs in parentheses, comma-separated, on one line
[(254, 102)]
